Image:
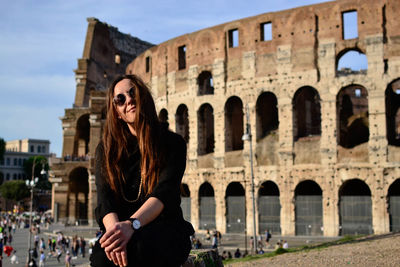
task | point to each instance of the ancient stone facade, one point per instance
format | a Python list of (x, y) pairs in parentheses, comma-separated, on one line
[(325, 144)]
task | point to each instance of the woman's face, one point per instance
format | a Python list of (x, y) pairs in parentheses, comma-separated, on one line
[(124, 101)]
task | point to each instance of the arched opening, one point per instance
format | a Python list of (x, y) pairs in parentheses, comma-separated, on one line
[(392, 99), (78, 191), (182, 122), (269, 208), (233, 124), (352, 116), (308, 208), (267, 119), (205, 82), (355, 207), (351, 61), (235, 208), (207, 206), (82, 137), (205, 129), (306, 113), (163, 116), (185, 202), (267, 123), (394, 206)]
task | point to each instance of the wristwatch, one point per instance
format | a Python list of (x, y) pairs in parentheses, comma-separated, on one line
[(135, 224)]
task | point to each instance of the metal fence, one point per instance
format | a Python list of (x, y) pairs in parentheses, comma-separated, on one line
[(186, 208), (236, 214), (355, 215), (207, 213), (269, 214), (394, 211), (309, 215)]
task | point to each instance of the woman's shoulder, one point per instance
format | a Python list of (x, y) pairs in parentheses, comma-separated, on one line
[(173, 139)]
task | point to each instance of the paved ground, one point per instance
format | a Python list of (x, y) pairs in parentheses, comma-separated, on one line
[(230, 242)]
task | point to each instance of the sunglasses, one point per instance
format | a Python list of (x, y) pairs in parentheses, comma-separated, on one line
[(120, 99)]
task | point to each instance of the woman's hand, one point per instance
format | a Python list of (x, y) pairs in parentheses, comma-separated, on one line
[(115, 240)]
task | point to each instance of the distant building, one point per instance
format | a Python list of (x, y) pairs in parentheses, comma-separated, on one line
[(17, 152)]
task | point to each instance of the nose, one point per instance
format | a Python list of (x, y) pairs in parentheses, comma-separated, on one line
[(129, 99)]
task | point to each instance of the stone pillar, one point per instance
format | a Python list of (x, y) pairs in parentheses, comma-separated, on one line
[(195, 207), (92, 199), (220, 206), (380, 214), (192, 110)]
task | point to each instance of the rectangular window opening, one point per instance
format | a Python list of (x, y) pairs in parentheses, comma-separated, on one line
[(350, 25), (266, 31), (233, 38), (182, 57), (147, 64)]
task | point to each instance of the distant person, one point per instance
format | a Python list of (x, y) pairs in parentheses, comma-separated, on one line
[(68, 259), (285, 244), (268, 237), (237, 253), (42, 259), (14, 258)]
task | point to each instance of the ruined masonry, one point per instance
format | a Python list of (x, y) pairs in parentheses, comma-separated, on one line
[(325, 139)]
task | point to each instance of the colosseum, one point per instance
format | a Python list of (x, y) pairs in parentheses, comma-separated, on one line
[(280, 136)]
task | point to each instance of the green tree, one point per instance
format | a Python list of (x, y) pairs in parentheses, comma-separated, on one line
[(40, 164), (2, 148), (15, 190)]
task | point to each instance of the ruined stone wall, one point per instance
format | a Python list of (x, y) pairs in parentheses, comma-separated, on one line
[(304, 52)]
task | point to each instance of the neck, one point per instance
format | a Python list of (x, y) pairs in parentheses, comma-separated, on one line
[(132, 129)]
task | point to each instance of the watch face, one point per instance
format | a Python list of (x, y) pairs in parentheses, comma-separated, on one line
[(136, 224)]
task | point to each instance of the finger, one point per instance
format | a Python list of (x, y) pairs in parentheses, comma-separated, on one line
[(105, 237), (114, 258), (119, 258), (124, 258), (112, 246), (108, 256), (110, 240)]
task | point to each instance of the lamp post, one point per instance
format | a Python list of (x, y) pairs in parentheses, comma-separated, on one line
[(31, 184), (248, 137)]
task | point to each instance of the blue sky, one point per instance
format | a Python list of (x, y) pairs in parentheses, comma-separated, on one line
[(40, 42)]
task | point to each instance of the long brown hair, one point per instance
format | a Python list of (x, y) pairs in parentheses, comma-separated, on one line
[(116, 134)]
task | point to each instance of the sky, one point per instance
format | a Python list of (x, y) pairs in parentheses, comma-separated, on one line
[(41, 40)]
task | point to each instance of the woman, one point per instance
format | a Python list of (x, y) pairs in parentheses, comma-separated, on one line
[(139, 168)]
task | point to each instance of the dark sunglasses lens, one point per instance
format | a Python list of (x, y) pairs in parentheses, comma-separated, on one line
[(119, 99)]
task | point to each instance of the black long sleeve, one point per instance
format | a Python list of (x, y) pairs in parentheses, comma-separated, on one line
[(167, 189)]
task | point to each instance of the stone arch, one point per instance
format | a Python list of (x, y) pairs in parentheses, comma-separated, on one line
[(392, 100), (233, 124), (185, 202), (308, 208), (267, 119), (82, 136), (351, 61), (163, 116), (267, 123), (235, 208), (207, 206), (206, 83), (394, 205), (355, 208), (306, 113), (182, 122), (77, 196), (352, 116), (269, 208), (205, 117)]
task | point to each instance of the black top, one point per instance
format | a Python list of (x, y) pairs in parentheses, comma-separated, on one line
[(167, 189)]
